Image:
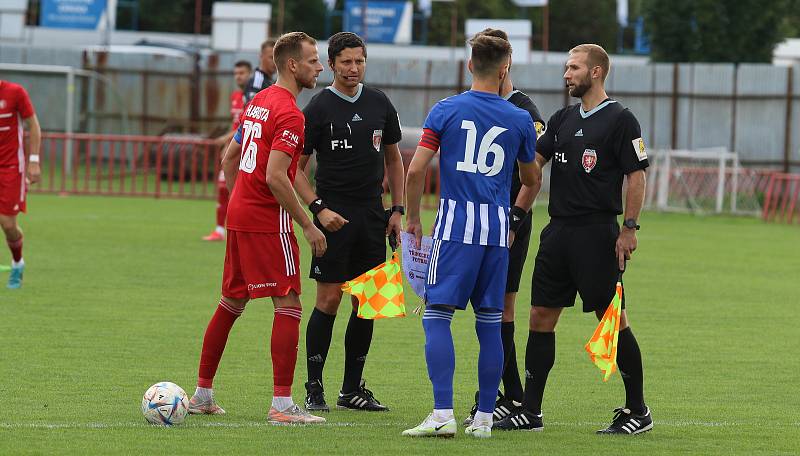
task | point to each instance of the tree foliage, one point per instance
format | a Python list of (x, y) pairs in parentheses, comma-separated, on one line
[(716, 31)]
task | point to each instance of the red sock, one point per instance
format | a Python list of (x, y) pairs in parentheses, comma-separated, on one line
[(214, 342), (16, 249), (222, 205), (285, 335)]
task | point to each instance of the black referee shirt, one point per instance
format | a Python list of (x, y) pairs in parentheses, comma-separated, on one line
[(522, 100), (257, 82), (348, 134), (591, 153)]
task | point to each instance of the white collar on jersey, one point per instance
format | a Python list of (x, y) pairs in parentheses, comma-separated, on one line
[(602, 105), (344, 96), (510, 94)]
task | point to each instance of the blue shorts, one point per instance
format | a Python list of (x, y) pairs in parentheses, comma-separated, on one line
[(459, 272)]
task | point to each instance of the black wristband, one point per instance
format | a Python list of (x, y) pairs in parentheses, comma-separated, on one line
[(399, 209), (317, 206), (516, 218)]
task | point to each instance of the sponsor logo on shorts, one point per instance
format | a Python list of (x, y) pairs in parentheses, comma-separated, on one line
[(258, 286), (2, 104), (589, 160)]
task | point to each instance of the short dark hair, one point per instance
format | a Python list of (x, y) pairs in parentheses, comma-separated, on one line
[(290, 45), (488, 53), (270, 43), (344, 40), (243, 63), (497, 33)]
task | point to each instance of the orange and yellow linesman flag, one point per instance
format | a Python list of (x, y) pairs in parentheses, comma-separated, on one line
[(602, 347), (379, 291)]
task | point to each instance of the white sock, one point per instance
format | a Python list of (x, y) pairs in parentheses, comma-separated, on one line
[(204, 393), (483, 418), (281, 403), (220, 230), (442, 415), (18, 264)]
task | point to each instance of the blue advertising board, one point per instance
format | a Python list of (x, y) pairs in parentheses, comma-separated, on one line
[(73, 14), (386, 21)]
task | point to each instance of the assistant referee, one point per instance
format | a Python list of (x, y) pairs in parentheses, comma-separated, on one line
[(355, 131), (593, 145)]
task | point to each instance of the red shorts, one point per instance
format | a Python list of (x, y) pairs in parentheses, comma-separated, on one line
[(12, 191), (258, 265)]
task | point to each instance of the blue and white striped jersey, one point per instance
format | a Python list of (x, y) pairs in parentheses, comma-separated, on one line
[(479, 136)]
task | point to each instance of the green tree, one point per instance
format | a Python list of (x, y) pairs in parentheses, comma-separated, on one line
[(716, 31), (574, 22)]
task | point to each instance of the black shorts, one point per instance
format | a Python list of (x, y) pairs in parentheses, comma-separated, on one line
[(576, 258), (357, 247), (518, 254)]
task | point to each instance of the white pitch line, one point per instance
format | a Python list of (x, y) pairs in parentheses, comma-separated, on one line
[(258, 424)]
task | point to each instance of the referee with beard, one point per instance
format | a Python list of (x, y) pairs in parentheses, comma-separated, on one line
[(594, 145), (355, 132)]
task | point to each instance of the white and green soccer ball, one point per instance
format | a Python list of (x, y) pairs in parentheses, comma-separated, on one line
[(165, 404)]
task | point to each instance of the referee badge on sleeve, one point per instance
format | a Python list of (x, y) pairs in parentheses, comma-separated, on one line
[(638, 147), (540, 128), (589, 160), (377, 135)]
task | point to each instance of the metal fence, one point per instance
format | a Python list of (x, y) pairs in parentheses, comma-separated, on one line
[(751, 109)]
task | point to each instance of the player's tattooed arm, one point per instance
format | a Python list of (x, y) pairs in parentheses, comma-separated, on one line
[(230, 163), (415, 185), (634, 200)]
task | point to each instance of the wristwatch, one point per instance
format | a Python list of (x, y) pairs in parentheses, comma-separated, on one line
[(399, 209), (631, 223)]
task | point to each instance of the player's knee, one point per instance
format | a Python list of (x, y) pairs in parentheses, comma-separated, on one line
[(508, 307), (328, 302), (9, 225), (544, 319), (236, 303)]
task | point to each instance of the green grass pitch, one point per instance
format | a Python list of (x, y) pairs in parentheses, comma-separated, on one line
[(118, 292)]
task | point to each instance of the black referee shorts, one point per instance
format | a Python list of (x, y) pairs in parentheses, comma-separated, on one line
[(576, 256), (357, 247), (517, 255)]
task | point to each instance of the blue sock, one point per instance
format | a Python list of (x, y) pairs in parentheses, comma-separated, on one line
[(440, 354), (490, 359)]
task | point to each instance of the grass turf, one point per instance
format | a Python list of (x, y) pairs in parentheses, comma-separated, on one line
[(118, 292)]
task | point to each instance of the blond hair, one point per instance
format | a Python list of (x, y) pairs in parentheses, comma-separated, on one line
[(595, 56)]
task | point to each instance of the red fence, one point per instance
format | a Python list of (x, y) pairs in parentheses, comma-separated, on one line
[(153, 166), (781, 198), (163, 166)]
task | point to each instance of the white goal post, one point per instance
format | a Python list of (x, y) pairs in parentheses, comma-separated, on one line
[(701, 182)]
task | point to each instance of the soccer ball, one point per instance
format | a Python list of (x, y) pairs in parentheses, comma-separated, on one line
[(165, 404)]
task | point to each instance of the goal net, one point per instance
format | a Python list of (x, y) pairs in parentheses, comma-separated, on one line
[(705, 181)]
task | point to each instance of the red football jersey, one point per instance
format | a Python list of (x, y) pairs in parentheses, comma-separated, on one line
[(237, 106), (14, 106), (270, 122)]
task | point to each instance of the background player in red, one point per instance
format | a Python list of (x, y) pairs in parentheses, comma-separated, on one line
[(241, 73), (262, 256), (18, 167)]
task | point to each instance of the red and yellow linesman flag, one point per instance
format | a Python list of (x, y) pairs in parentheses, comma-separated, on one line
[(602, 347), (379, 291)]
